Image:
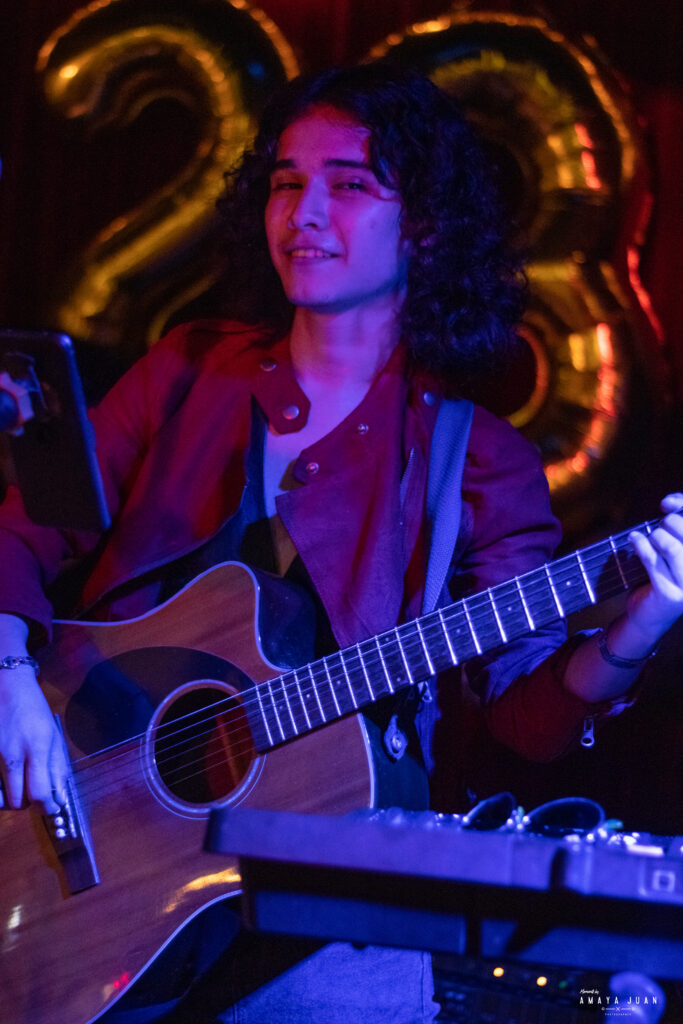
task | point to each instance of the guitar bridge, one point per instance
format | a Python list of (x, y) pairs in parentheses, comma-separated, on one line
[(72, 842)]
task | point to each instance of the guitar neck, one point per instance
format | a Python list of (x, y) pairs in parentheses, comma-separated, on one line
[(302, 699)]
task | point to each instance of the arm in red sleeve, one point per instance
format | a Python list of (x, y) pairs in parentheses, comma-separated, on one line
[(508, 529)]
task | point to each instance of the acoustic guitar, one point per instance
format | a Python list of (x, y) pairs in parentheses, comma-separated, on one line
[(188, 708)]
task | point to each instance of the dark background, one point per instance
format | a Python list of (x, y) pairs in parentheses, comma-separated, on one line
[(61, 185)]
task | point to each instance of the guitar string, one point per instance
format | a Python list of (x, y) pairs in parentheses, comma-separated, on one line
[(241, 707), (369, 658), (236, 753), (240, 712), (410, 644), (237, 761), (132, 753)]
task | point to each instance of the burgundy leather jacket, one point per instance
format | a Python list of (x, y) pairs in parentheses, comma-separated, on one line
[(172, 438)]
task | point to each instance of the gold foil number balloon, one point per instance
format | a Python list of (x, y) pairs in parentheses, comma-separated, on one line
[(561, 133), (105, 65)]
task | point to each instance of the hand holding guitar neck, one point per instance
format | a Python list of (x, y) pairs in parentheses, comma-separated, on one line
[(606, 666), (654, 609)]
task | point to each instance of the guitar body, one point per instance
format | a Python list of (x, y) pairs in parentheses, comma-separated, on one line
[(164, 716), (117, 688)]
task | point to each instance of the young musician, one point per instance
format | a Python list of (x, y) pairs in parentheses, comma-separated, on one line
[(364, 252)]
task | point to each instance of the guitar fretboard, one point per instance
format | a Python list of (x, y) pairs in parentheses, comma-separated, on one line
[(305, 698)]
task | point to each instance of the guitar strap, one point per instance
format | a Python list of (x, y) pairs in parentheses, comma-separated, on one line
[(444, 499), (444, 505)]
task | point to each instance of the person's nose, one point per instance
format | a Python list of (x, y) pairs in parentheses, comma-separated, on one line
[(310, 208)]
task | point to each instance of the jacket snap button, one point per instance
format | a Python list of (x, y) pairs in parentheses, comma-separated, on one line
[(291, 412), (268, 364), (312, 467)]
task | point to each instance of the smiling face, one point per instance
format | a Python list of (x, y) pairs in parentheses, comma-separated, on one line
[(333, 229)]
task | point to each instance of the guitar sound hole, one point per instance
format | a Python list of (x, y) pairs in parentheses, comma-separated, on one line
[(202, 745)]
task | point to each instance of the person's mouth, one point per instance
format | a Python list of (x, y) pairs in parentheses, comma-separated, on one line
[(309, 253)]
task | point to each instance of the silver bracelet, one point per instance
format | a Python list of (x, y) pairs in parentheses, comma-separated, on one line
[(615, 659), (12, 662)]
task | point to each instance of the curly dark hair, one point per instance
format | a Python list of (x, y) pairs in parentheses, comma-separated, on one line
[(464, 283)]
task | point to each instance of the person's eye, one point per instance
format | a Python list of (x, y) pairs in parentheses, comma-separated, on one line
[(284, 185), (351, 186)]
